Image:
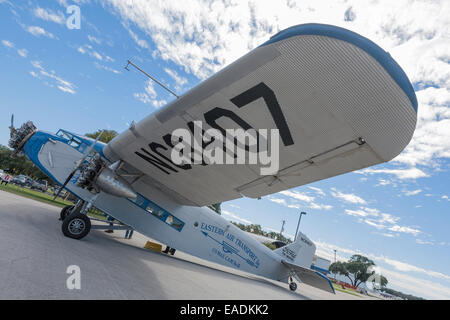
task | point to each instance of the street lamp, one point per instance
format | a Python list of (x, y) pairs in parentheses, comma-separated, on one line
[(298, 224), (282, 227), (335, 262)]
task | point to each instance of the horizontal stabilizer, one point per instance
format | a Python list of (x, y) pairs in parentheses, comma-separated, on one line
[(310, 277)]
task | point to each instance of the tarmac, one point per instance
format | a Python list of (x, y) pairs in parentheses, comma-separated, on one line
[(35, 257)]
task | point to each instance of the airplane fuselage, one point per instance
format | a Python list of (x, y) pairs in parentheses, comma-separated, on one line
[(198, 231)]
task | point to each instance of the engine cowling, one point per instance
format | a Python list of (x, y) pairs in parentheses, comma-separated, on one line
[(97, 176)]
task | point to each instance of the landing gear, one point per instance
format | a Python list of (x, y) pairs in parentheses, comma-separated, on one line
[(292, 284), (76, 226), (65, 212)]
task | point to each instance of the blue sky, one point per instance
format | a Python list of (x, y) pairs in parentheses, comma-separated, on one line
[(397, 213)]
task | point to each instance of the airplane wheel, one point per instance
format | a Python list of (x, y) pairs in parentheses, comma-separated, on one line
[(293, 286), (76, 226), (65, 212)]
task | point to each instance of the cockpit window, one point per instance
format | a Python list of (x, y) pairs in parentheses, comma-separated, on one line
[(75, 142), (82, 147), (64, 135)]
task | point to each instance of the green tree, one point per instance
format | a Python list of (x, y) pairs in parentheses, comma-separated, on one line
[(19, 165), (106, 137), (358, 270)]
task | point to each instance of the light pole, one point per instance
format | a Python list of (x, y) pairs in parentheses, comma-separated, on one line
[(282, 228), (335, 262), (298, 224)]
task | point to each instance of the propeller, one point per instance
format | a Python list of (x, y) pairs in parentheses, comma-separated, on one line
[(78, 165), (11, 127)]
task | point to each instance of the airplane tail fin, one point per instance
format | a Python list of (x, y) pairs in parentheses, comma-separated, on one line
[(298, 257), (300, 252)]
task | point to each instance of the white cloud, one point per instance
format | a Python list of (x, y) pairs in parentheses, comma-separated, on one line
[(347, 197), (374, 224), (404, 229), (419, 241), (388, 235), (140, 42), (431, 139), (38, 31), (94, 39), (143, 97), (97, 55), (159, 103), (385, 217), (381, 221), (383, 182), (412, 193), (299, 196), (179, 80), (150, 89), (100, 66), (235, 217), (410, 173), (362, 212), (59, 82), (90, 51), (149, 96), (23, 52), (49, 15), (317, 190), (8, 44)]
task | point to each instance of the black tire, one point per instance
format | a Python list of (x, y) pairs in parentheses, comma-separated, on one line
[(293, 286), (76, 226), (65, 212)]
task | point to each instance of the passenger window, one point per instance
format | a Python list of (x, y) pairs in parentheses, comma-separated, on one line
[(140, 200), (174, 222), (158, 212), (155, 211)]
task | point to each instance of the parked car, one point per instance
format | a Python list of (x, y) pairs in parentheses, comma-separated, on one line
[(39, 185), (22, 180)]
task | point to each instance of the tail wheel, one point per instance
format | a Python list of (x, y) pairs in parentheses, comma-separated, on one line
[(65, 212), (293, 286), (76, 226)]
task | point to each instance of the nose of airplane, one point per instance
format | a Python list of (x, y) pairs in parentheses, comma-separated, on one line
[(20, 136)]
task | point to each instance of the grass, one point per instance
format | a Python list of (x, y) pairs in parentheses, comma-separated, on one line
[(35, 195), (46, 198)]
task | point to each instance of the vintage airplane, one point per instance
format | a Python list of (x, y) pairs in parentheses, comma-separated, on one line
[(339, 101)]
